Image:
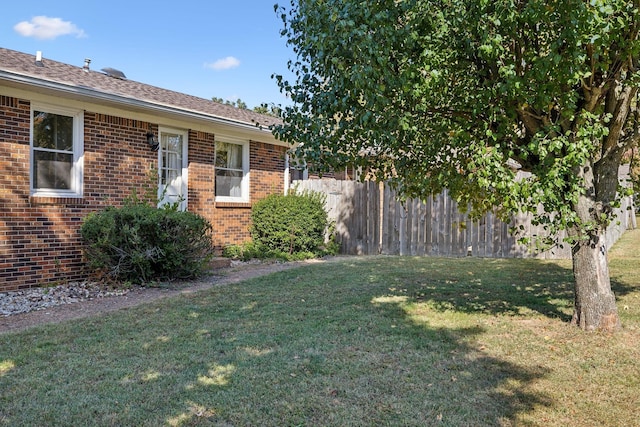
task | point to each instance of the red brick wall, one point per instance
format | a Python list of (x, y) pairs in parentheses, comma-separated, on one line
[(201, 173), (231, 221), (39, 237), (117, 160)]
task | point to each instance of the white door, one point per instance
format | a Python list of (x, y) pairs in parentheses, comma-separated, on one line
[(172, 170)]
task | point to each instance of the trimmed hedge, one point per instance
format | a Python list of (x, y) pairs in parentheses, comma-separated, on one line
[(291, 223), (139, 243)]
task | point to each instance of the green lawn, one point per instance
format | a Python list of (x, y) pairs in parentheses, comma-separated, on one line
[(359, 342)]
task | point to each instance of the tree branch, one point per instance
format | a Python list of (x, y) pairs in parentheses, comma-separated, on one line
[(621, 111), (530, 119)]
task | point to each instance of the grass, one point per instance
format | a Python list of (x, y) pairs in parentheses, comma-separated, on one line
[(363, 341)]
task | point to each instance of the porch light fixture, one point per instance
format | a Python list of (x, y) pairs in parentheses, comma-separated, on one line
[(152, 141)]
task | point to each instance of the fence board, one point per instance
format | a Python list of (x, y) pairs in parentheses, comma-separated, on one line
[(428, 235), (369, 220)]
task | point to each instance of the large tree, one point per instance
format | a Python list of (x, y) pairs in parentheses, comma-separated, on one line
[(463, 94)]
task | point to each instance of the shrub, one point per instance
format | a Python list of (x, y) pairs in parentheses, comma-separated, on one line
[(140, 243), (245, 251), (291, 227), (250, 250)]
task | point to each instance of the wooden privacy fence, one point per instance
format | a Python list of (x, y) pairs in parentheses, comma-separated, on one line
[(369, 220)]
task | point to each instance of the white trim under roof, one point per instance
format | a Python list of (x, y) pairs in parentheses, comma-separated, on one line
[(83, 93)]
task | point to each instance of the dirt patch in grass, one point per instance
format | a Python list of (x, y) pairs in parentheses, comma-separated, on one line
[(144, 295)]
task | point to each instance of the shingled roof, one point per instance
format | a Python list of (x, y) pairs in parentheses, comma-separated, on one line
[(21, 67)]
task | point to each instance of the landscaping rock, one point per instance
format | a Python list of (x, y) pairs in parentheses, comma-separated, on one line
[(23, 301)]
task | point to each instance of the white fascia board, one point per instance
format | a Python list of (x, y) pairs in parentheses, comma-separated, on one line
[(80, 92)]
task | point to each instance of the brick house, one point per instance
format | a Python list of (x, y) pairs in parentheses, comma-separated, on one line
[(74, 140)]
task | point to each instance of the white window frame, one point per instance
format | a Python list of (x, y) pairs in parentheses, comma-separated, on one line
[(244, 186), (77, 167)]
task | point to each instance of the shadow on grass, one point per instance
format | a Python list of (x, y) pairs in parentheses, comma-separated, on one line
[(364, 361), (471, 386), (498, 287), (327, 345), (621, 289)]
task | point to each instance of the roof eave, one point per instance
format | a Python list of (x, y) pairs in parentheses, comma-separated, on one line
[(119, 100)]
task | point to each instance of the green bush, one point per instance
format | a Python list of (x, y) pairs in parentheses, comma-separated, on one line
[(245, 251), (250, 250), (291, 227), (140, 243)]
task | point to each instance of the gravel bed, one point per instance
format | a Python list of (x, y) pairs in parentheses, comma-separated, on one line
[(23, 301), (35, 299)]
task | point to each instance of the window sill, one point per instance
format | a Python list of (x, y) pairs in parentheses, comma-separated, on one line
[(219, 204), (55, 200)]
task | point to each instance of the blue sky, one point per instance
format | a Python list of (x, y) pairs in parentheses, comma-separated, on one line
[(223, 48)]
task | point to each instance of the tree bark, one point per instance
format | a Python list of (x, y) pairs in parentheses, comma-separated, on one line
[(595, 304)]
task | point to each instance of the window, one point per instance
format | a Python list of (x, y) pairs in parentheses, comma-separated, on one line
[(56, 152), (173, 168), (232, 171)]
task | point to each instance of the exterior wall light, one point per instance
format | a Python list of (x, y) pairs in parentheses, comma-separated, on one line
[(152, 141)]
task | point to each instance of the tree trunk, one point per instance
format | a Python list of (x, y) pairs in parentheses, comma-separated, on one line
[(595, 304)]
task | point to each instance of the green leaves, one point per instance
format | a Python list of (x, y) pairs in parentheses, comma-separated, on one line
[(295, 223), (139, 243), (462, 94)]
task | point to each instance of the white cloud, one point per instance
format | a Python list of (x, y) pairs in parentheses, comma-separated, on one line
[(224, 63), (45, 28)]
